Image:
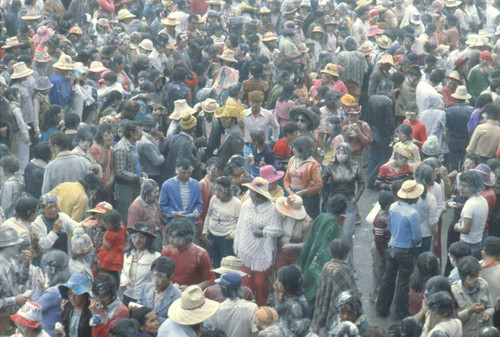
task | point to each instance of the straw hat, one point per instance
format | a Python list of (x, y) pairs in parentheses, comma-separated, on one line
[(318, 29), (101, 208), (231, 110), (103, 22), (386, 59), (291, 206), (146, 44), (216, 2), (21, 70), (11, 42), (78, 283), (290, 9), (454, 76), (452, 3), (230, 263), (75, 30), (209, 105), (366, 48), (410, 190), (461, 93), (97, 67), (269, 36), (265, 10), (43, 83), (228, 56), (29, 315), (9, 237), (192, 308), (442, 49), (142, 228), (415, 19), (188, 122), (171, 20), (180, 109), (383, 41), (374, 30), (331, 69), (30, 16), (362, 3), (65, 63), (261, 186), (124, 14), (403, 150), (41, 54), (302, 48)]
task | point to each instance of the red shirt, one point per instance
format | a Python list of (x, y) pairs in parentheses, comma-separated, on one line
[(112, 258), (283, 153), (192, 265), (419, 132), (491, 199)]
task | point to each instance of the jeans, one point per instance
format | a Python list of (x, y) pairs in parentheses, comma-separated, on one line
[(126, 300), (424, 247), (475, 249), (125, 195), (457, 154), (247, 150), (380, 152), (348, 227), (399, 265), (220, 248), (311, 204)]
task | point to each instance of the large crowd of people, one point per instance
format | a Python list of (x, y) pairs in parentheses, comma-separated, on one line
[(183, 168)]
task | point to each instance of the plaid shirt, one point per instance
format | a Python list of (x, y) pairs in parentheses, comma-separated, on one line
[(125, 169), (10, 275)]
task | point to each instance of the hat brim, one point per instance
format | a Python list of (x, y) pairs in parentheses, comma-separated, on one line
[(18, 44), (64, 66), (133, 230), (19, 241), (98, 70), (265, 194), (39, 88), (308, 114), (167, 22), (461, 97), (228, 59), (24, 321), (417, 192), (78, 289), (330, 72), (286, 210), (222, 270), (24, 74), (274, 177), (128, 16), (190, 317)]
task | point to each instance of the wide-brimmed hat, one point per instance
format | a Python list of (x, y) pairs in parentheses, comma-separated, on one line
[(261, 186), (403, 150), (291, 206), (452, 3), (269, 36), (461, 93), (29, 315), (264, 10), (230, 263), (65, 62), (331, 69), (9, 237), (170, 20), (431, 146), (103, 22), (230, 110), (442, 49), (228, 55), (141, 228), (11, 42), (477, 41), (146, 44), (366, 48), (31, 16), (192, 308), (290, 9), (318, 29), (269, 173), (97, 67), (374, 30), (410, 190), (78, 283), (485, 173), (41, 54), (43, 83), (384, 42), (209, 105), (454, 76), (313, 119), (21, 70), (381, 8), (289, 27), (386, 59), (124, 14), (75, 30), (362, 3), (180, 109), (415, 19), (101, 208)]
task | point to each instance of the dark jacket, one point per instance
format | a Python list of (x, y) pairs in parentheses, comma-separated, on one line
[(457, 117), (172, 92), (378, 114), (84, 328), (33, 177), (180, 145), (232, 144)]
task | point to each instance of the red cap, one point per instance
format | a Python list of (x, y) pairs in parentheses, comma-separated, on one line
[(485, 54), (373, 13)]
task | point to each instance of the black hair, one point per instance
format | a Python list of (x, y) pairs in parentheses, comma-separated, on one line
[(256, 69), (385, 87), (71, 121), (230, 293), (405, 129), (113, 95), (290, 128), (303, 146), (427, 266), (91, 181), (59, 139), (84, 134), (411, 107), (215, 161), (473, 180), (179, 74), (225, 183), (291, 278), (258, 135), (234, 89), (212, 333), (130, 128), (126, 327), (139, 315), (181, 227), (11, 93), (290, 311), (110, 77), (491, 246), (287, 93), (474, 157), (493, 164), (337, 204), (42, 151), (468, 266), (440, 303), (104, 285), (439, 333), (164, 264), (458, 250), (425, 175), (437, 76), (374, 331), (147, 86), (386, 199), (362, 11), (48, 121), (492, 111), (340, 248), (25, 207), (183, 163), (411, 327), (10, 163), (101, 130), (482, 100), (113, 218)]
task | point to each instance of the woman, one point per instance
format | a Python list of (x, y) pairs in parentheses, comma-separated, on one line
[(441, 307), (307, 122), (137, 261), (55, 270), (148, 322), (117, 64), (102, 152), (349, 309), (303, 176), (145, 208), (27, 321), (395, 169), (403, 134), (330, 78), (477, 115), (287, 289), (51, 120), (284, 103), (220, 222), (345, 177), (84, 137), (427, 266), (26, 212), (75, 317)]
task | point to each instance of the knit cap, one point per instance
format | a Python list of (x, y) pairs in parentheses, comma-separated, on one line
[(188, 122), (80, 243), (431, 146)]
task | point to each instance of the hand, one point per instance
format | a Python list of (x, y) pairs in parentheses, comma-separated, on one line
[(26, 257), (262, 163), (57, 226), (180, 214), (258, 233), (486, 317), (476, 307), (95, 306), (3, 132), (89, 222), (144, 175), (21, 299), (59, 332), (456, 227), (160, 135), (206, 241), (63, 304)]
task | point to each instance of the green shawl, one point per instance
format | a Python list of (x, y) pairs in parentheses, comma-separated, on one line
[(316, 252)]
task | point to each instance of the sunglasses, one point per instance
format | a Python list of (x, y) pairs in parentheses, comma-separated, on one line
[(300, 120)]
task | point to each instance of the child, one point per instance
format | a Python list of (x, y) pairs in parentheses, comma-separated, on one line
[(110, 254), (262, 154), (81, 259), (456, 251), (282, 148)]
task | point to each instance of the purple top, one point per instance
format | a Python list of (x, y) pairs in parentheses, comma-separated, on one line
[(474, 120), (282, 111)]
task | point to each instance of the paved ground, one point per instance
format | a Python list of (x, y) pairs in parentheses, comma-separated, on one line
[(363, 238)]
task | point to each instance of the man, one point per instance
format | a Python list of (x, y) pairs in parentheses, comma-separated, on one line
[(490, 266), (187, 314), (452, 82), (209, 125), (150, 152), (170, 30), (234, 316), (408, 93), (289, 52), (355, 66), (486, 137), (427, 88), (480, 76), (232, 142), (232, 264), (192, 263), (384, 65), (128, 170), (257, 118), (180, 196), (74, 197), (160, 293), (61, 92), (65, 167), (404, 224)]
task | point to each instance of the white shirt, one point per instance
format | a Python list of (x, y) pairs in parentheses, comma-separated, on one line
[(234, 317), (264, 119), (475, 208)]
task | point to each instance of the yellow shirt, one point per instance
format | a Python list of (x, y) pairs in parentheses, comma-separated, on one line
[(72, 199)]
